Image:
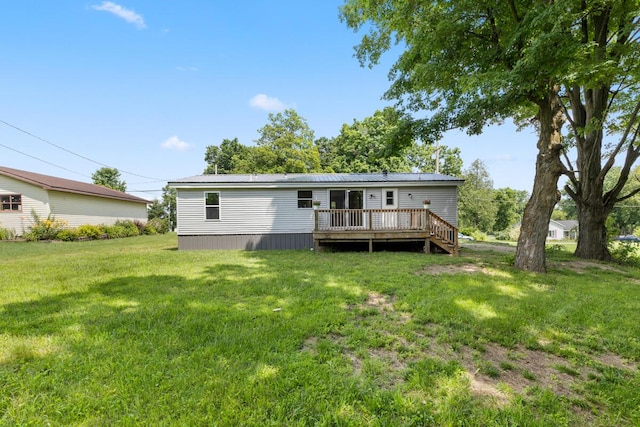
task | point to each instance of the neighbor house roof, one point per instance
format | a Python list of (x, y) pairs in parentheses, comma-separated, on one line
[(568, 224), (53, 183), (323, 179)]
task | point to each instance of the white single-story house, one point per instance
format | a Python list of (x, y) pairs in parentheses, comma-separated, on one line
[(77, 203), (563, 229), (297, 211)]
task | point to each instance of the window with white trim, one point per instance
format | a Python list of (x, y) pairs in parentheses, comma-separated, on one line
[(390, 198), (10, 202), (305, 199), (212, 205)]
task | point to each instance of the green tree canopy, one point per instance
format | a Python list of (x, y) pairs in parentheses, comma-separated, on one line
[(382, 142), (286, 144), (476, 199), (222, 159), (109, 177), (473, 63), (510, 206)]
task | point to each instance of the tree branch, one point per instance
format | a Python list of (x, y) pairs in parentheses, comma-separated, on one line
[(623, 140)]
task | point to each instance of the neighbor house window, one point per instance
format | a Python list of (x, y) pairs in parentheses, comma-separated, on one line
[(305, 199), (212, 205), (10, 202), (552, 234)]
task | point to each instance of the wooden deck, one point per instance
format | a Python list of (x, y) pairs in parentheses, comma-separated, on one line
[(384, 225)]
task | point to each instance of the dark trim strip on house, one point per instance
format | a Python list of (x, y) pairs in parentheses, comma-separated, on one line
[(250, 242)]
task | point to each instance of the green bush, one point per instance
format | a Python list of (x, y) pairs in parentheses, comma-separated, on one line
[(625, 252), (89, 231), (503, 235), (129, 229), (479, 236), (157, 225), (514, 233), (141, 226), (44, 229), (114, 231), (6, 234), (468, 230), (68, 234)]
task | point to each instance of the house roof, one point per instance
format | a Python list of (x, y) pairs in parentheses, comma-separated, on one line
[(568, 224), (53, 183), (277, 180)]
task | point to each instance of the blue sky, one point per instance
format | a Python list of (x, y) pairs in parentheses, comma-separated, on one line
[(145, 86)]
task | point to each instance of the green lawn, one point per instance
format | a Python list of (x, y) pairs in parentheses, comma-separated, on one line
[(134, 332)]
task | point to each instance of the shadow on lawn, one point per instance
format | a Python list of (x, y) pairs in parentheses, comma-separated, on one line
[(277, 334)]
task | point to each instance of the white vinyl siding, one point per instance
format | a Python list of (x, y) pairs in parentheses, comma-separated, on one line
[(247, 212), (444, 200), (34, 199), (75, 209), (274, 210), (79, 209)]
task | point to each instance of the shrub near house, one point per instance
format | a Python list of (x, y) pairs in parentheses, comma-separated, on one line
[(53, 229)]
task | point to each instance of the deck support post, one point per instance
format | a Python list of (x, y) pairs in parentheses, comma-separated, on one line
[(427, 245), (370, 245)]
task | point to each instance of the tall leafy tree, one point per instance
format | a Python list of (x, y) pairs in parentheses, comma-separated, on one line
[(382, 142), (109, 177), (170, 206), (165, 208), (602, 96), (424, 158), (286, 144), (373, 144), (510, 206), (221, 159), (474, 63), (476, 199), (625, 216)]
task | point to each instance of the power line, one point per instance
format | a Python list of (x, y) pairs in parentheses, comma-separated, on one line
[(43, 161), (70, 152)]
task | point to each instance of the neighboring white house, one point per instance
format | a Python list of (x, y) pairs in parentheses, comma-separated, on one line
[(77, 203), (563, 230), (275, 211)]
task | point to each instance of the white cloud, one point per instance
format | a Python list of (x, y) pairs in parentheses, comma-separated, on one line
[(128, 15), (174, 143), (266, 103)]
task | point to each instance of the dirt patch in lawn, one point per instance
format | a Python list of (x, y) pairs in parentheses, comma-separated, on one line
[(495, 373), (488, 247), (584, 266)]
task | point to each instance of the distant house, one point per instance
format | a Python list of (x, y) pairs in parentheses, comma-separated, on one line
[(296, 211), (563, 230), (78, 203)]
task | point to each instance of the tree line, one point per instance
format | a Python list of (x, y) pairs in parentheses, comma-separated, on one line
[(286, 144)]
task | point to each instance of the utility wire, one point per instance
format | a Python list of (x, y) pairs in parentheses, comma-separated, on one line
[(44, 161), (70, 152)]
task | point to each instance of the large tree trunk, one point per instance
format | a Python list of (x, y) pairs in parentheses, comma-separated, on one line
[(590, 204), (530, 253), (592, 234)]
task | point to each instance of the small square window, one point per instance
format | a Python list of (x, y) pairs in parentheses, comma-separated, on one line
[(11, 202), (305, 199), (389, 198)]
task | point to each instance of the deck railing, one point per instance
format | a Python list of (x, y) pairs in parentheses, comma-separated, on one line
[(385, 220), (370, 219)]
